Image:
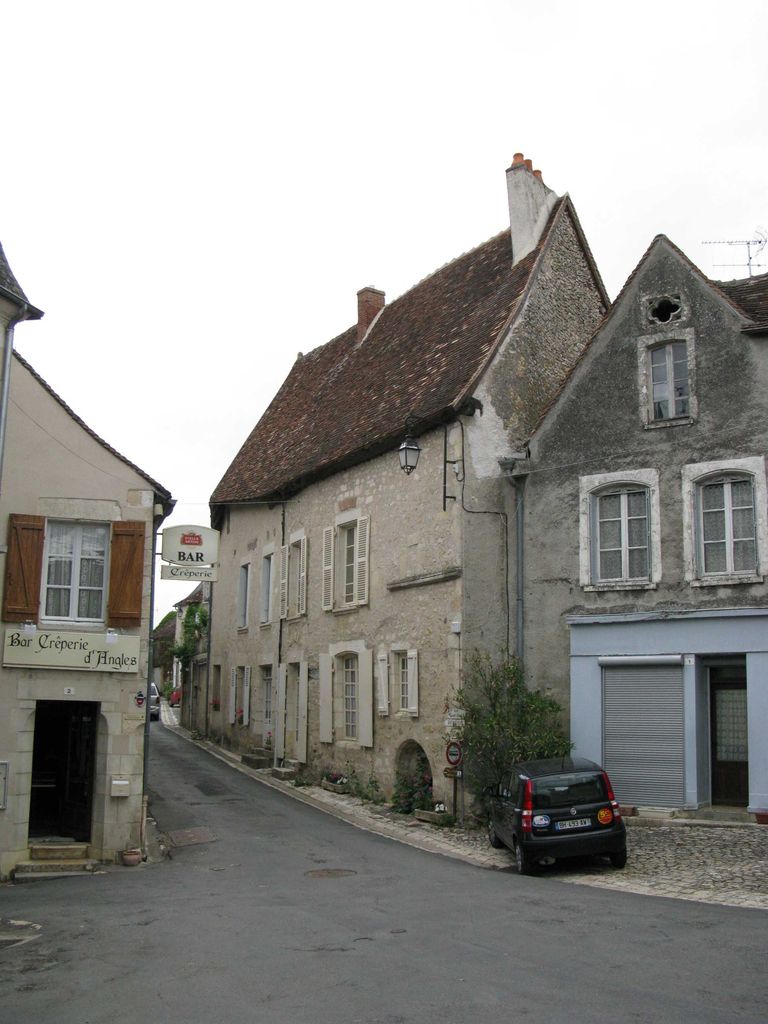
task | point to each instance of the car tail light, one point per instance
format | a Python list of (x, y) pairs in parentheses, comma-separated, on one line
[(528, 806), (609, 793)]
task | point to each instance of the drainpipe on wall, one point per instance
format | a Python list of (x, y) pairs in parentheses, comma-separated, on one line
[(6, 369), (280, 711), (518, 482)]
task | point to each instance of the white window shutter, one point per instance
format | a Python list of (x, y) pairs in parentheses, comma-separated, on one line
[(413, 683), (278, 713), (328, 569), (365, 695), (283, 581), (361, 559), (302, 595), (246, 694), (325, 681), (382, 690), (301, 725), (232, 696)]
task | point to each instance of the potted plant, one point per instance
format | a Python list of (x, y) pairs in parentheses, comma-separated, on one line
[(335, 782), (216, 704)]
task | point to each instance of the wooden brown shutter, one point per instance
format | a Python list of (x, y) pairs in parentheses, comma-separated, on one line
[(126, 575), (23, 568)]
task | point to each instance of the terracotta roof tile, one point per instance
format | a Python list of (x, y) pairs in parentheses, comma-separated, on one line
[(345, 402), (749, 294)]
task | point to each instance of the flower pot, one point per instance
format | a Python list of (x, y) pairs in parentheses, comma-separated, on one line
[(334, 787), (130, 858)]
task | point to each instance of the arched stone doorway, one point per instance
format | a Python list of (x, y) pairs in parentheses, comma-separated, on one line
[(413, 779)]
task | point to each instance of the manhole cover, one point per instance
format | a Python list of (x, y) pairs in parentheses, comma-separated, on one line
[(330, 873), (191, 836)]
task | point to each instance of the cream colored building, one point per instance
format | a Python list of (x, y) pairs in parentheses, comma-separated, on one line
[(78, 522), (350, 593)]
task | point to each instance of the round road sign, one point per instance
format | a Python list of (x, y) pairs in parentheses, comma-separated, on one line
[(454, 754)]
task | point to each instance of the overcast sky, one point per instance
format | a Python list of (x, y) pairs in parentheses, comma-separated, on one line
[(195, 192)]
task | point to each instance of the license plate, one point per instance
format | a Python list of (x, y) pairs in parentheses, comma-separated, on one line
[(561, 826)]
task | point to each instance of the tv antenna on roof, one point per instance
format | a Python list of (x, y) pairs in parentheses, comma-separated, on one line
[(754, 247)]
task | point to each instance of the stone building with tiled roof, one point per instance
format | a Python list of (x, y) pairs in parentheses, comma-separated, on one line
[(349, 594), (646, 540)]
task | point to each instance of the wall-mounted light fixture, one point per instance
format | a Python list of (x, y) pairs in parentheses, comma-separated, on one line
[(409, 450), (29, 628), (112, 636)]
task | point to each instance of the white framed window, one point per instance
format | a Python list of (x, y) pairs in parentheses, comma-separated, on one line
[(725, 527), (669, 380), (726, 518), (266, 689), (406, 679), (345, 563), (75, 571), (345, 694), (350, 681), (293, 576), (265, 598), (666, 376), (619, 538), (242, 595)]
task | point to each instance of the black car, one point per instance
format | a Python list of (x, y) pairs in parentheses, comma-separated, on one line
[(561, 807)]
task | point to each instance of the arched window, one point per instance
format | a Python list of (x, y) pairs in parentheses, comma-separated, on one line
[(620, 534), (619, 530), (726, 528)]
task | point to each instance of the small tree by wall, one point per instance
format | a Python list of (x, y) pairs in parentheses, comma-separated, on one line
[(192, 631), (504, 721)]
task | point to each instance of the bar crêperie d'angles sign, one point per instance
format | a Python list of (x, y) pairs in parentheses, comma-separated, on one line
[(191, 553)]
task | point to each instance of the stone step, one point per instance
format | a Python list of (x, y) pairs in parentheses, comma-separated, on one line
[(58, 851), (256, 760), (37, 870), (286, 774)]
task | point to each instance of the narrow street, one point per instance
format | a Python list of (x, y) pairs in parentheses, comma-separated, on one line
[(270, 910)]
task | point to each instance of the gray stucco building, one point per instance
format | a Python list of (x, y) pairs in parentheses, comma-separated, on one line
[(646, 540)]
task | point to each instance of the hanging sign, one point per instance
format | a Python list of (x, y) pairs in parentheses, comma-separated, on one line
[(200, 574), (192, 546)]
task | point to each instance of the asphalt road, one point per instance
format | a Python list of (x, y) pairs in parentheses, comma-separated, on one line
[(290, 916)]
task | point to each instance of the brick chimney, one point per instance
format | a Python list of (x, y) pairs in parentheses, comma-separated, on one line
[(370, 302), (530, 204)]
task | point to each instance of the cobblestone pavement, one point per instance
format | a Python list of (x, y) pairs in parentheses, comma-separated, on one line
[(701, 861)]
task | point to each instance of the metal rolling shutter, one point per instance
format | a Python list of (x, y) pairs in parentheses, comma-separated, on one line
[(643, 733)]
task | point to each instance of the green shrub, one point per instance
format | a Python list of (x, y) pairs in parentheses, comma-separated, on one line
[(504, 721)]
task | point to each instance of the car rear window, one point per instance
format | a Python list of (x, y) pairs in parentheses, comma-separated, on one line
[(566, 790)]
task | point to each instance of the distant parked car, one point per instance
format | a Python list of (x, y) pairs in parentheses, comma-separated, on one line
[(154, 702), (175, 698), (562, 807)]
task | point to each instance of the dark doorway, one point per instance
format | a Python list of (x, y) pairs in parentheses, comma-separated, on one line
[(728, 727), (62, 769)]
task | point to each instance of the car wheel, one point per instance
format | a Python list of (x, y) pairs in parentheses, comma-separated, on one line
[(523, 862), (618, 860), (493, 839)]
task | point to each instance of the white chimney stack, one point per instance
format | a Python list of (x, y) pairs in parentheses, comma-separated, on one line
[(530, 204)]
